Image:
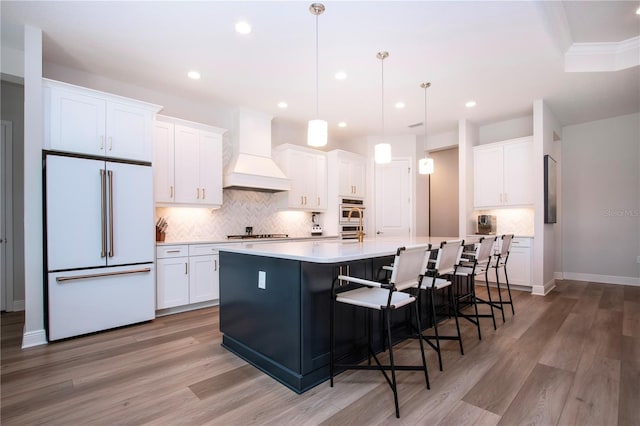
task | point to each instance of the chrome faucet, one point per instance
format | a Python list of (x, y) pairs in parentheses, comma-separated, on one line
[(360, 226)]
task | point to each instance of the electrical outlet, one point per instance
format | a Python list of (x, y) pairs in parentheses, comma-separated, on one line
[(262, 280)]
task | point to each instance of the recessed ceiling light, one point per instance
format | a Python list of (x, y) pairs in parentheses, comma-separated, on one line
[(282, 105), (341, 75), (400, 105), (194, 75), (342, 124), (470, 104), (638, 11), (243, 27)]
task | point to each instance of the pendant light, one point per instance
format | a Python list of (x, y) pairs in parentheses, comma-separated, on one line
[(382, 151), (317, 129), (425, 165)]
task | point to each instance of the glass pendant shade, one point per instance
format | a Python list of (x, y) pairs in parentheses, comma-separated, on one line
[(317, 133), (382, 153), (425, 166)]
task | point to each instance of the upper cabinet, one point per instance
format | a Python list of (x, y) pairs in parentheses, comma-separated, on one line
[(188, 163), (89, 122), (307, 170), (503, 173), (351, 173)]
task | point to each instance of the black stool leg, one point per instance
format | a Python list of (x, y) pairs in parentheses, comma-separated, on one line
[(394, 386), (486, 280), (332, 338), (435, 327), (475, 303), (424, 360), (500, 292), (506, 277), (455, 315)]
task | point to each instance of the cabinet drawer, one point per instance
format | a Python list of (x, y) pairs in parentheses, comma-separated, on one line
[(520, 242), (202, 249), (163, 252)]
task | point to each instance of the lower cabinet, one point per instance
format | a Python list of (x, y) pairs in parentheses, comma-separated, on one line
[(186, 274), (518, 264)]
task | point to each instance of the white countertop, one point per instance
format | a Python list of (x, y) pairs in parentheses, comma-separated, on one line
[(332, 251), (247, 240)]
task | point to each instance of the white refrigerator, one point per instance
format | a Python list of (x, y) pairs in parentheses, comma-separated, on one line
[(99, 244)]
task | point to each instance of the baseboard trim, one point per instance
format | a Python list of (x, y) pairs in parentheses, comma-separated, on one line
[(543, 290), (34, 338), (186, 308), (605, 279), (18, 305)]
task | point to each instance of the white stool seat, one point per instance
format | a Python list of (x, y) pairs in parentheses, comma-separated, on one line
[(374, 298)]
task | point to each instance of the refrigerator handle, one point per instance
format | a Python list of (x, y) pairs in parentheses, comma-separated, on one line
[(111, 245), (103, 213)]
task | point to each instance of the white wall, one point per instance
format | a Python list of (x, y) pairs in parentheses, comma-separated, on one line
[(468, 135), (601, 202), (507, 129), (12, 61)]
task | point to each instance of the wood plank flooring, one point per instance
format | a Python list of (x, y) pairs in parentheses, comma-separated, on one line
[(570, 358)]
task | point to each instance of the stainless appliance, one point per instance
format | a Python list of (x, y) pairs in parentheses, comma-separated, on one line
[(250, 236), (316, 228), (99, 242), (486, 224), (350, 211)]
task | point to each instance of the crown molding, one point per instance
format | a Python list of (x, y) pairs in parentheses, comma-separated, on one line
[(603, 57)]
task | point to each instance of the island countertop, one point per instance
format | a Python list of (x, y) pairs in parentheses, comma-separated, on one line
[(334, 251)]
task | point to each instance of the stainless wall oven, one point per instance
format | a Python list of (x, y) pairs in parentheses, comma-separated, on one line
[(349, 226)]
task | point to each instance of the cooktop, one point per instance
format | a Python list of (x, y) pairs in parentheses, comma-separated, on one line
[(254, 236)]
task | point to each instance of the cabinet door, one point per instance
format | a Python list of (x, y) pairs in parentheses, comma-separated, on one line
[(203, 278), (358, 178), (163, 163), (518, 266), (518, 171), (77, 122), (487, 176), (210, 167), (172, 282), (74, 213), (129, 132), (187, 173), (320, 202)]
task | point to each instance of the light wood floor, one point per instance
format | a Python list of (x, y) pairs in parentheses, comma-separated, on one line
[(570, 358)]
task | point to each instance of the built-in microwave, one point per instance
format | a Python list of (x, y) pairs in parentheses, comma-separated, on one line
[(353, 206)]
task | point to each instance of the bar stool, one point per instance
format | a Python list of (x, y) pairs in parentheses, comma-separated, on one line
[(500, 262), (385, 298), (475, 263), (436, 277)]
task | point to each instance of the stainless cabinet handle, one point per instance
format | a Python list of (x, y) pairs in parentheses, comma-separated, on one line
[(106, 274), (101, 142), (172, 251), (204, 194), (111, 243), (215, 265), (318, 200), (186, 268), (301, 200), (103, 214), (171, 191), (110, 143), (197, 193)]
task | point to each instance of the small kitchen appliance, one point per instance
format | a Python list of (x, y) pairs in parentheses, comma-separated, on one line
[(316, 229), (487, 224)]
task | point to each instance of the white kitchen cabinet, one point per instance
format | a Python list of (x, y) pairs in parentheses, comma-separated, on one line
[(86, 121), (518, 264), (307, 170), (188, 168), (187, 274), (503, 173), (351, 175)]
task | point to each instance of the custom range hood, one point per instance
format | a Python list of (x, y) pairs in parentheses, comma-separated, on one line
[(251, 166)]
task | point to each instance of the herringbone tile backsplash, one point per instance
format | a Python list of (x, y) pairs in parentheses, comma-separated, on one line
[(239, 209)]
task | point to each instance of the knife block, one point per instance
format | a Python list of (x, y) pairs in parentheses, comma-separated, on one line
[(160, 236)]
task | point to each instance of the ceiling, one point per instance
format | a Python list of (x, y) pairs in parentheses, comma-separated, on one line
[(503, 55)]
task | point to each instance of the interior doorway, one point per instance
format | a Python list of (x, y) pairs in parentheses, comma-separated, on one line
[(443, 194), (394, 202), (6, 217)]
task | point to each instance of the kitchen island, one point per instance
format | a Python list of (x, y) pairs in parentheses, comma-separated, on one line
[(275, 298)]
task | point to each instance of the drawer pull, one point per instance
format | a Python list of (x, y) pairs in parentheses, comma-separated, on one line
[(172, 251)]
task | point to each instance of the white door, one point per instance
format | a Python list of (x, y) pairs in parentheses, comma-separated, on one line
[(163, 169), (128, 132), (210, 165), (130, 219), (393, 198), (487, 176), (518, 172), (74, 225), (173, 282), (77, 122), (187, 173), (6, 237), (202, 278)]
